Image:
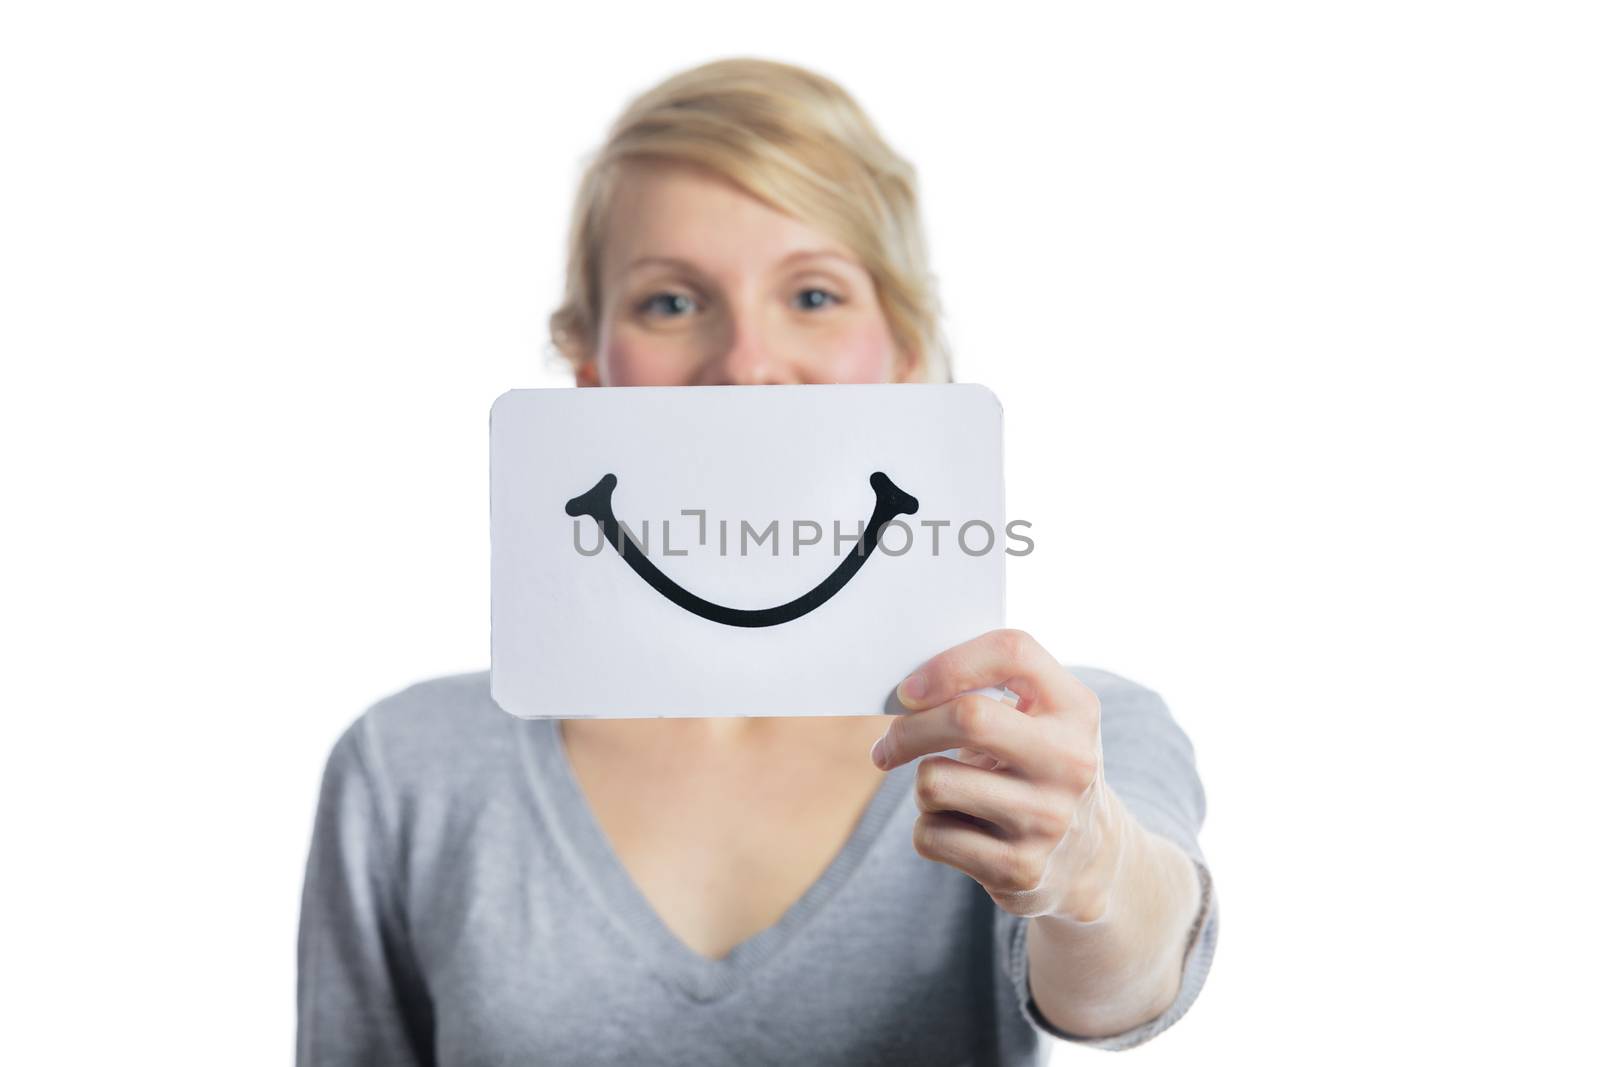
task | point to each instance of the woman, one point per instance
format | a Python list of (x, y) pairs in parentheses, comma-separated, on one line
[(756, 890)]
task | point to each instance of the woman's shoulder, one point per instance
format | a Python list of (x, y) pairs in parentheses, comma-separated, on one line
[(1116, 692), (432, 732), (1137, 728), (1103, 681)]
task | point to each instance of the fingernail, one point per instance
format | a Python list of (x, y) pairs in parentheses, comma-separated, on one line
[(877, 753), (913, 688)]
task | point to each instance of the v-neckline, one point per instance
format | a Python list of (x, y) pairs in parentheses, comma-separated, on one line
[(701, 978)]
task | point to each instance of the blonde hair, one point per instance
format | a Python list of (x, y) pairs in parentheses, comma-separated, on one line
[(792, 139)]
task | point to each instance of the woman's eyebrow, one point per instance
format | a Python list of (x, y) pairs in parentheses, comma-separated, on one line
[(817, 253), (663, 261), (676, 263)]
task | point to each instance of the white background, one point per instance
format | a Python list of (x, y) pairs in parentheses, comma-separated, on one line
[(1293, 310)]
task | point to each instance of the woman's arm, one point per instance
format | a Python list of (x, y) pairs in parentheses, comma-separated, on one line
[(1079, 819), (1106, 977), (361, 999)]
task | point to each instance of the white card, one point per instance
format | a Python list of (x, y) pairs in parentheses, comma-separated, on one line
[(707, 551)]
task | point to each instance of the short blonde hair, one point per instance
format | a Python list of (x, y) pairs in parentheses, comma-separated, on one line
[(792, 139)]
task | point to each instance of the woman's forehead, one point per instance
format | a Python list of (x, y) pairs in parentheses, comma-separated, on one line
[(663, 211)]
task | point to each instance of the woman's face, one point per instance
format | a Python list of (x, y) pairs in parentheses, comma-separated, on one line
[(702, 284)]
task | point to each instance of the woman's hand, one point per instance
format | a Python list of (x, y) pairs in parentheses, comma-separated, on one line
[(1024, 809)]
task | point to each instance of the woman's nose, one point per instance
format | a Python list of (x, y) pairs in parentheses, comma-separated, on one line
[(745, 355)]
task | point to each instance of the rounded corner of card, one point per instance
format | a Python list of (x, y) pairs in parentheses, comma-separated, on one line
[(513, 404), (978, 389), (497, 697)]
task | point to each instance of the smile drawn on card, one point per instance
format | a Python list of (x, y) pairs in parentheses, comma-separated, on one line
[(891, 501)]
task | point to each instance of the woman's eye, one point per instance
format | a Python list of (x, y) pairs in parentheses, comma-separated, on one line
[(669, 304), (811, 299)]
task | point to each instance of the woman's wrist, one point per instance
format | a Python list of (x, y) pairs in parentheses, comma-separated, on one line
[(1104, 977)]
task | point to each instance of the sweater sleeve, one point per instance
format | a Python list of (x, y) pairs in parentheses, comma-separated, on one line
[(1150, 765), (361, 999)]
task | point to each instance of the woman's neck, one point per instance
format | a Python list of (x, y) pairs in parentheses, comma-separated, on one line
[(728, 735)]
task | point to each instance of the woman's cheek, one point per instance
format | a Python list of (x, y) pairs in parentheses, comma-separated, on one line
[(853, 352), (629, 361), (861, 355)]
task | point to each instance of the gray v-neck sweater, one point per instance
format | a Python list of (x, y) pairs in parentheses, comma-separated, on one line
[(462, 905)]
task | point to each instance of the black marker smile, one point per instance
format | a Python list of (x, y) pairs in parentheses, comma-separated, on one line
[(891, 501)]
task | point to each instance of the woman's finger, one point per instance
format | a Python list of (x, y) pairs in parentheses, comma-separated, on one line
[(978, 759), (1008, 658), (1018, 808), (969, 721), (997, 864)]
